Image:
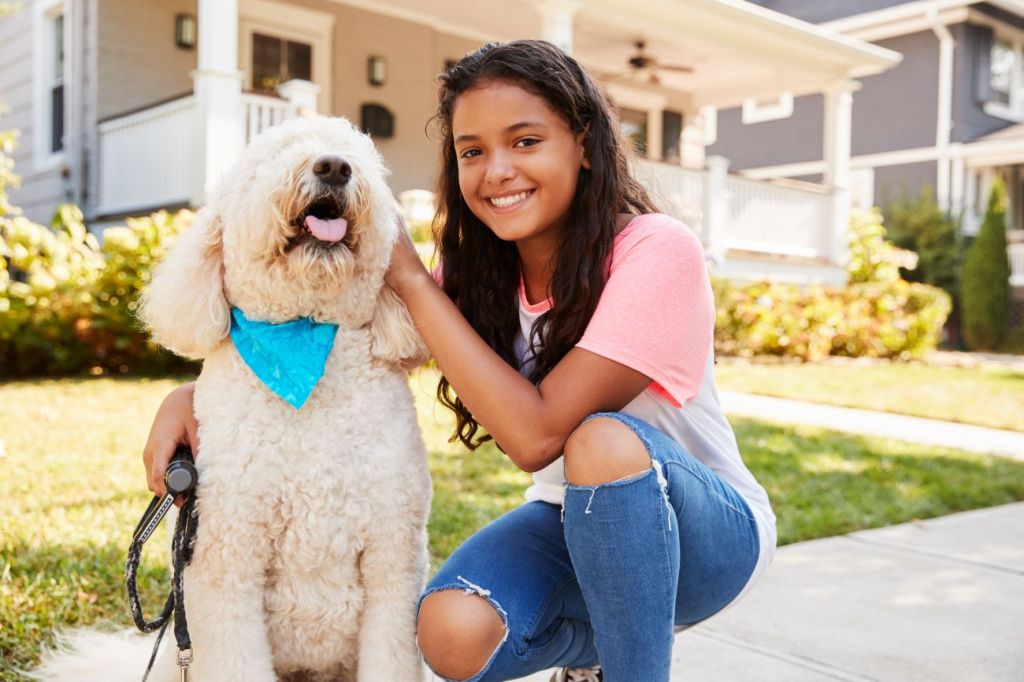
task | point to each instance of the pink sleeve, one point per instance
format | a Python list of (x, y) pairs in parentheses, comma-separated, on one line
[(657, 313)]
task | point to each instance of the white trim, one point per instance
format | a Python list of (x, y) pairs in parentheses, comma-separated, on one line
[(862, 187), (43, 14), (891, 15), (291, 23), (424, 18), (915, 24), (944, 105), (755, 112)]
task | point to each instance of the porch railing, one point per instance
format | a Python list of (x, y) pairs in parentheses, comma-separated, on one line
[(1016, 254), (731, 212), (146, 158), (149, 158)]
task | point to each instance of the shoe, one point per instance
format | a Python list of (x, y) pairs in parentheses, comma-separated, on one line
[(578, 675)]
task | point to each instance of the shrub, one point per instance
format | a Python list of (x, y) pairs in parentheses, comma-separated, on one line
[(922, 227), (68, 304), (986, 279), (876, 315)]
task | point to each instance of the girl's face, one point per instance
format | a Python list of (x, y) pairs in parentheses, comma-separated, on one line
[(518, 160)]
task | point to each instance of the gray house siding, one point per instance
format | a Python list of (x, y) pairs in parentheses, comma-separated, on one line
[(881, 122), (818, 11), (790, 140), (892, 182), (885, 117)]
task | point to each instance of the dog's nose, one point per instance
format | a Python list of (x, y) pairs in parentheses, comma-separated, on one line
[(333, 170)]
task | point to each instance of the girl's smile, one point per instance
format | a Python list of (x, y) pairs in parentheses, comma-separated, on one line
[(519, 161)]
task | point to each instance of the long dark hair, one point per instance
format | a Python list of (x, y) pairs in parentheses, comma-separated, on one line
[(480, 271)]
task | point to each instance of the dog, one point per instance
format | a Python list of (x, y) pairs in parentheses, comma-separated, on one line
[(311, 550)]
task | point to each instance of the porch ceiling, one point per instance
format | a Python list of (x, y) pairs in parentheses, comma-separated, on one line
[(737, 50)]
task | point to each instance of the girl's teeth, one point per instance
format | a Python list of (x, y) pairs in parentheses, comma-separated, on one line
[(502, 202)]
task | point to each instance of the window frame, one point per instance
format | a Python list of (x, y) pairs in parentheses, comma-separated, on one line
[(45, 14), (1014, 109), (289, 22)]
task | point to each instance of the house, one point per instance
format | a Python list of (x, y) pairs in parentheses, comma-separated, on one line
[(950, 116), (126, 107)]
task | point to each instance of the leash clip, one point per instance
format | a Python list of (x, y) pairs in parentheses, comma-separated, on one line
[(184, 661)]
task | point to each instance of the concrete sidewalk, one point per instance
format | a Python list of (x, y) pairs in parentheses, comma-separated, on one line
[(868, 422), (937, 601)]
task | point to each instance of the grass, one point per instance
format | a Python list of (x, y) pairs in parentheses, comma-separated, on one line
[(984, 396), (71, 490)]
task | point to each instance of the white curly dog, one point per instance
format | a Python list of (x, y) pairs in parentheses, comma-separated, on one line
[(311, 550)]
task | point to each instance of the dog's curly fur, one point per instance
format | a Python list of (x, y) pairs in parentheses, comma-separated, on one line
[(311, 549)]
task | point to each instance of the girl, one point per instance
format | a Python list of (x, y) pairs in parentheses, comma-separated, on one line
[(574, 325)]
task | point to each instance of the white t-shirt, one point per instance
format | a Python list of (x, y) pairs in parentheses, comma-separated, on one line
[(656, 315)]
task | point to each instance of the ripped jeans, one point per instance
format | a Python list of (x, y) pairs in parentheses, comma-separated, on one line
[(631, 561)]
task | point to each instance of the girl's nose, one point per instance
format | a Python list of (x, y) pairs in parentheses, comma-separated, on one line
[(499, 170)]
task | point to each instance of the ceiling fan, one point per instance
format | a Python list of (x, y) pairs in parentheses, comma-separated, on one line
[(642, 62)]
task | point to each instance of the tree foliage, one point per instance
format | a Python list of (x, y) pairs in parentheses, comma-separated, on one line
[(986, 278)]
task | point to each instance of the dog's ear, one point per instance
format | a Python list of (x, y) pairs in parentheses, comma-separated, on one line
[(394, 338), (184, 305)]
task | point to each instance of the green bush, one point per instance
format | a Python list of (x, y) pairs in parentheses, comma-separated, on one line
[(922, 227), (68, 304), (876, 315), (986, 280)]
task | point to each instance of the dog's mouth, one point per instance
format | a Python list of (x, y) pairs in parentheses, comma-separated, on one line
[(324, 223)]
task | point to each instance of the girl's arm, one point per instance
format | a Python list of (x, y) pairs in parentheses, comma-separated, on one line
[(530, 423), (174, 424)]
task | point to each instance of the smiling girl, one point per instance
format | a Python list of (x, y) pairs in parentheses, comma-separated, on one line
[(574, 326)]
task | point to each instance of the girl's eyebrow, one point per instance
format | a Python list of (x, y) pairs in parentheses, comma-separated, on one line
[(511, 128)]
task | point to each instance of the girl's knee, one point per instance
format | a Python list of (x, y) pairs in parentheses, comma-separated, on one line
[(458, 632), (602, 450)]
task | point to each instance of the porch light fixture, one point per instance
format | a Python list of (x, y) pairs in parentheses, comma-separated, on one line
[(185, 31), (376, 70)]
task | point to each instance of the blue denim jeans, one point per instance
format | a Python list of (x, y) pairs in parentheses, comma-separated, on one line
[(610, 581)]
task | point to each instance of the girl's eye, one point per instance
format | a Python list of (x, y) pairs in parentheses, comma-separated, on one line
[(527, 142), (468, 153)]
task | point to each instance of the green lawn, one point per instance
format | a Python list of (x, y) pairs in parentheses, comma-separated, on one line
[(72, 489), (992, 397)]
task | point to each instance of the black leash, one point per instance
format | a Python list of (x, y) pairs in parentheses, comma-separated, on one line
[(180, 479)]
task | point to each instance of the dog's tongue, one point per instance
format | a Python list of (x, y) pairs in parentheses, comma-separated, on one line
[(327, 230)]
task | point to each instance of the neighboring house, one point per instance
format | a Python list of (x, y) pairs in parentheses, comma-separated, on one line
[(126, 106), (949, 117)]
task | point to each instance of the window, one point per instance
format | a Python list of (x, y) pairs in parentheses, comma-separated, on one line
[(1005, 78), (57, 84), (1003, 64), (634, 128), (49, 88), (276, 61)]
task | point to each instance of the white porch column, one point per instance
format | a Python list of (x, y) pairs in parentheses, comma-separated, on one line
[(556, 21), (218, 90), (836, 148), (944, 116), (716, 208)]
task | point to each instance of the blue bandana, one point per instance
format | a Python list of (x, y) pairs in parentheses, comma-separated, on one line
[(289, 357)]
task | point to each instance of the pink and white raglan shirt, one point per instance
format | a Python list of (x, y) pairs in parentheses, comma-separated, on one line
[(657, 316)]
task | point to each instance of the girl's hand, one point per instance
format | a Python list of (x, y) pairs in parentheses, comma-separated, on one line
[(406, 268), (174, 424)]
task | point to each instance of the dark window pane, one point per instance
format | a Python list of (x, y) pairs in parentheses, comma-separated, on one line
[(672, 131), (57, 120), (300, 58), (266, 62)]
